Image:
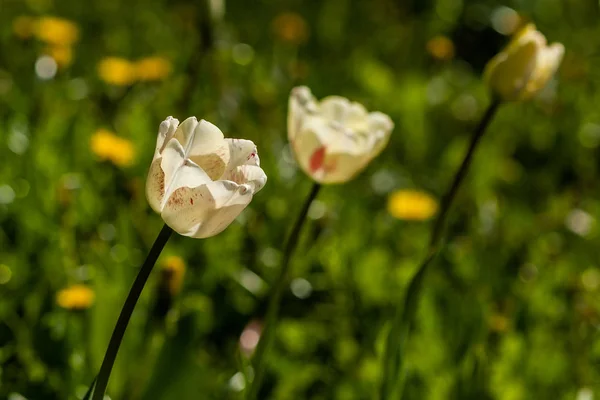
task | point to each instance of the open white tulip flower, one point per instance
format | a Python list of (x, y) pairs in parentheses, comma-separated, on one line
[(199, 182), (334, 139), (524, 67)]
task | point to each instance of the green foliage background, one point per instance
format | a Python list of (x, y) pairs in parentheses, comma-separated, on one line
[(510, 309)]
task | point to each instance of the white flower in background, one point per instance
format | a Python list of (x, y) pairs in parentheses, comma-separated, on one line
[(524, 67), (199, 182), (334, 139)]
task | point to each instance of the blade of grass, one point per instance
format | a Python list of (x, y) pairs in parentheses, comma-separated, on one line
[(88, 394)]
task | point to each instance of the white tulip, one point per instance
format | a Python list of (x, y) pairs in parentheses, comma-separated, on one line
[(334, 139), (524, 67), (199, 182)]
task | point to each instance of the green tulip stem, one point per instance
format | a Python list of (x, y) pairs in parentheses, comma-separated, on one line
[(127, 310), (393, 375), (266, 338)]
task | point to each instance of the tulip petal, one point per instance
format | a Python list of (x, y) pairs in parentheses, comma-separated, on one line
[(155, 185), (242, 152), (301, 104), (341, 110), (205, 145), (527, 34), (336, 138), (334, 108), (173, 158), (185, 131), (341, 167), (250, 175), (166, 130), (205, 210), (508, 73), (179, 171), (322, 150), (222, 217), (381, 125), (549, 60), (308, 141)]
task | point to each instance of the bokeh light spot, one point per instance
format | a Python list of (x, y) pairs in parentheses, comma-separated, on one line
[(237, 383), (77, 89), (317, 210), (505, 20), (301, 288), (5, 274), (7, 194), (591, 279), (579, 222), (589, 135), (45, 67), (242, 54)]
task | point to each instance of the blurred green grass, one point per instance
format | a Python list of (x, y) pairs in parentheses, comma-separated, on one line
[(510, 310)]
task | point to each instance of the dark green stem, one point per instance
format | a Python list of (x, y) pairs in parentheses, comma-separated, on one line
[(450, 195), (279, 286), (401, 324), (127, 310)]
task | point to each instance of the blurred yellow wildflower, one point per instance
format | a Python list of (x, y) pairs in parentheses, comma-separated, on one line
[(58, 31), (290, 27), (152, 68), (75, 297), (117, 71), (109, 146), (412, 205), (24, 26), (63, 55), (441, 48), (173, 271)]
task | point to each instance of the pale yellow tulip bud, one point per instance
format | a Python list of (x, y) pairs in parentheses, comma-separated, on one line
[(524, 67), (199, 182), (334, 139)]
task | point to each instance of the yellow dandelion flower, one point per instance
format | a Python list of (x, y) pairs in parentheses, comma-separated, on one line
[(63, 55), (23, 26), (108, 146), (412, 205), (152, 68), (290, 27), (58, 31), (117, 71), (173, 271), (441, 48), (76, 297)]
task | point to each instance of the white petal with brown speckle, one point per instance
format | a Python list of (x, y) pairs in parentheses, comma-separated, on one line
[(199, 182), (334, 139)]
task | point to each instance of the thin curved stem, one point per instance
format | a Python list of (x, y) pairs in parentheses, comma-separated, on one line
[(126, 311), (460, 175), (401, 324), (275, 299)]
